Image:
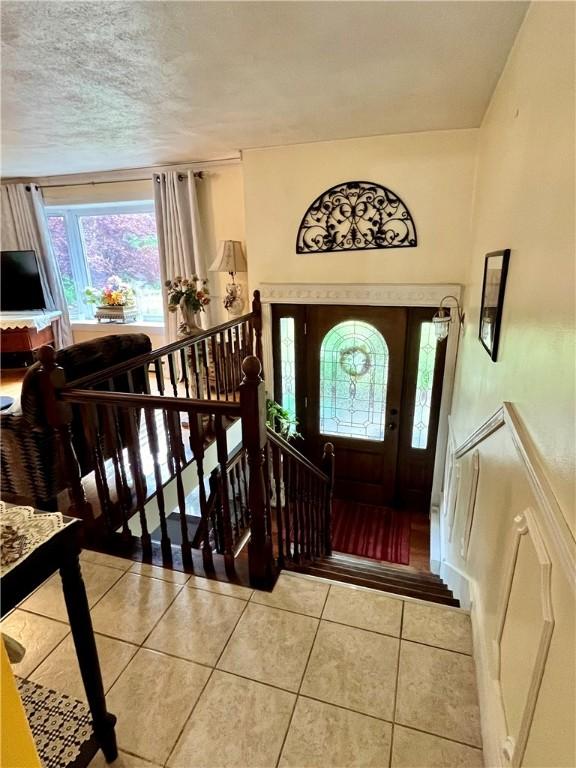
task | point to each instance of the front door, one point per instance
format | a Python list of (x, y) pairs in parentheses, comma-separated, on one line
[(369, 380), (355, 364)]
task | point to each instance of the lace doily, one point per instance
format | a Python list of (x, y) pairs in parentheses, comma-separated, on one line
[(22, 531)]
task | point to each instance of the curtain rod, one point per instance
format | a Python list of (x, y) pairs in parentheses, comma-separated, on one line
[(156, 177)]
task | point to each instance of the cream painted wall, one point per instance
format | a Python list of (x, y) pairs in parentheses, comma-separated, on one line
[(221, 202), (525, 201), (432, 173)]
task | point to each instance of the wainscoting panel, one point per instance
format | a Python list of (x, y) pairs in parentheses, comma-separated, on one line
[(505, 543)]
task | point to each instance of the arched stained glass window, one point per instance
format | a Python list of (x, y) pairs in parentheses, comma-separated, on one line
[(353, 381)]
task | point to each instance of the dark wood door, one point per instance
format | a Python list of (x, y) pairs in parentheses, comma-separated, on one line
[(354, 371)]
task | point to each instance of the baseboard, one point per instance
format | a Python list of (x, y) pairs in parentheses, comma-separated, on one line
[(492, 719), (457, 581)]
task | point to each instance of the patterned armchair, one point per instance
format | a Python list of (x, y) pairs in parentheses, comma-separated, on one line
[(30, 462)]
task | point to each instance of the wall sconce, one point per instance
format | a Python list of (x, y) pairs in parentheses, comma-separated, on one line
[(442, 318), (231, 259)]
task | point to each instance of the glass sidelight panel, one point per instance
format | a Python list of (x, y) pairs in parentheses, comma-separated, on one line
[(353, 381), (288, 364), (424, 381)]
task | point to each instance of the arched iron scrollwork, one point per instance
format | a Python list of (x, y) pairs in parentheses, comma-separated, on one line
[(356, 216)]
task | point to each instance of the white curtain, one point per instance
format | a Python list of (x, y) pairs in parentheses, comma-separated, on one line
[(180, 237), (25, 228)]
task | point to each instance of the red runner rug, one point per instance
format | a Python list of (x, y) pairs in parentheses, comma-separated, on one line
[(380, 533)]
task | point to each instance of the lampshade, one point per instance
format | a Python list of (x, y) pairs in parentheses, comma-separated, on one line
[(442, 318), (230, 257)]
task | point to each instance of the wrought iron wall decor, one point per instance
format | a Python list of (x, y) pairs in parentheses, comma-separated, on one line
[(356, 216)]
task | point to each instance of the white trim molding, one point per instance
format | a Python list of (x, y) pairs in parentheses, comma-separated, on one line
[(378, 295), (514, 745), (471, 506)]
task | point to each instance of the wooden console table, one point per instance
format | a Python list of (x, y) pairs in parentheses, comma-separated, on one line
[(24, 332), (52, 551)]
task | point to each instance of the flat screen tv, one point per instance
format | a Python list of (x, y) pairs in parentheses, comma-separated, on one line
[(21, 288)]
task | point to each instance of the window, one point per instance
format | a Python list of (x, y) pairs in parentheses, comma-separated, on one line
[(93, 243), (424, 382), (288, 366), (353, 381)]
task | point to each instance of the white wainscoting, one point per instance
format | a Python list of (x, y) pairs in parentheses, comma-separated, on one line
[(513, 611)]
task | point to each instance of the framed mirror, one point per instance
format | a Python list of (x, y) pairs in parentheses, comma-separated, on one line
[(493, 286)]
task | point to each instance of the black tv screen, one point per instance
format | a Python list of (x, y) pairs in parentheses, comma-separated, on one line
[(20, 281)]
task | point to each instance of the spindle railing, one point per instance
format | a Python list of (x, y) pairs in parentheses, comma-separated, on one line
[(159, 449)]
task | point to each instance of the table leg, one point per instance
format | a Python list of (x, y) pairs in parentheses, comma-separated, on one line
[(83, 635)]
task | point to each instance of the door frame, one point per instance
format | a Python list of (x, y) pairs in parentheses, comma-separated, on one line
[(376, 295)]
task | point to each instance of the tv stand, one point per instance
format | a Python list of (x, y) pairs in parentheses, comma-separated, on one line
[(24, 332)]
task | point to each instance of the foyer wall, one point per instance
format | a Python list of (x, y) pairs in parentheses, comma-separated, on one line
[(432, 172), (524, 200), (507, 520)]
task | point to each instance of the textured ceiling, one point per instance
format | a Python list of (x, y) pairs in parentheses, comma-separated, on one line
[(105, 85)]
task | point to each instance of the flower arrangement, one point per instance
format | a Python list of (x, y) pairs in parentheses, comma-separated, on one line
[(115, 293), (184, 290)]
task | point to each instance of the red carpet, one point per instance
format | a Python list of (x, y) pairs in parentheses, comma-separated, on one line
[(380, 533)]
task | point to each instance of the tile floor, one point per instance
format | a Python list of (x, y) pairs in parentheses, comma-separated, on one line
[(313, 674)]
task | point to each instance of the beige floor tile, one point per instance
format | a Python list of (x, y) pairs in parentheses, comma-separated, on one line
[(37, 634), (353, 668), (270, 645), (438, 626), (101, 558), (132, 607), (323, 736), (413, 749), (363, 609), (152, 700), (60, 670), (437, 693), (124, 760), (294, 594), (156, 572), (236, 723), (48, 600), (197, 626), (220, 587)]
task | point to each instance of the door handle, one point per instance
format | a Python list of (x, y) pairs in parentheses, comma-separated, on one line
[(393, 411), (392, 426)]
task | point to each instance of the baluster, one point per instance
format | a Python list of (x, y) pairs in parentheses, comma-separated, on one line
[(129, 419), (205, 358), (222, 450), (254, 437), (216, 511), (307, 515), (175, 443), (243, 470), (277, 468), (230, 363), (197, 445), (195, 368), (165, 543), (286, 469), (328, 463), (216, 366), (113, 448), (94, 441), (238, 527), (318, 516), (159, 376), (172, 373), (267, 469), (295, 476), (184, 363), (242, 490)]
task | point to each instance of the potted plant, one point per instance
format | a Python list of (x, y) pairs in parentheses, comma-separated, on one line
[(115, 302), (191, 295), (281, 420)]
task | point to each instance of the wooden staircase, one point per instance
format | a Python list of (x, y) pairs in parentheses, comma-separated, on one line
[(386, 577)]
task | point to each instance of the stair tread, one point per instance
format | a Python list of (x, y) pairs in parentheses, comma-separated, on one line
[(404, 569), (445, 597), (413, 583), (377, 567)]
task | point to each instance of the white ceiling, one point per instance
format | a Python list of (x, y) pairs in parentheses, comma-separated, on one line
[(105, 85)]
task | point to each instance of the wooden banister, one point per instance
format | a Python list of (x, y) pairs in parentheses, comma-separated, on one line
[(286, 447), (128, 400)]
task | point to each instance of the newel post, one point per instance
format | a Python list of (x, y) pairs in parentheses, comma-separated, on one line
[(257, 326), (254, 439), (58, 416), (328, 469)]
